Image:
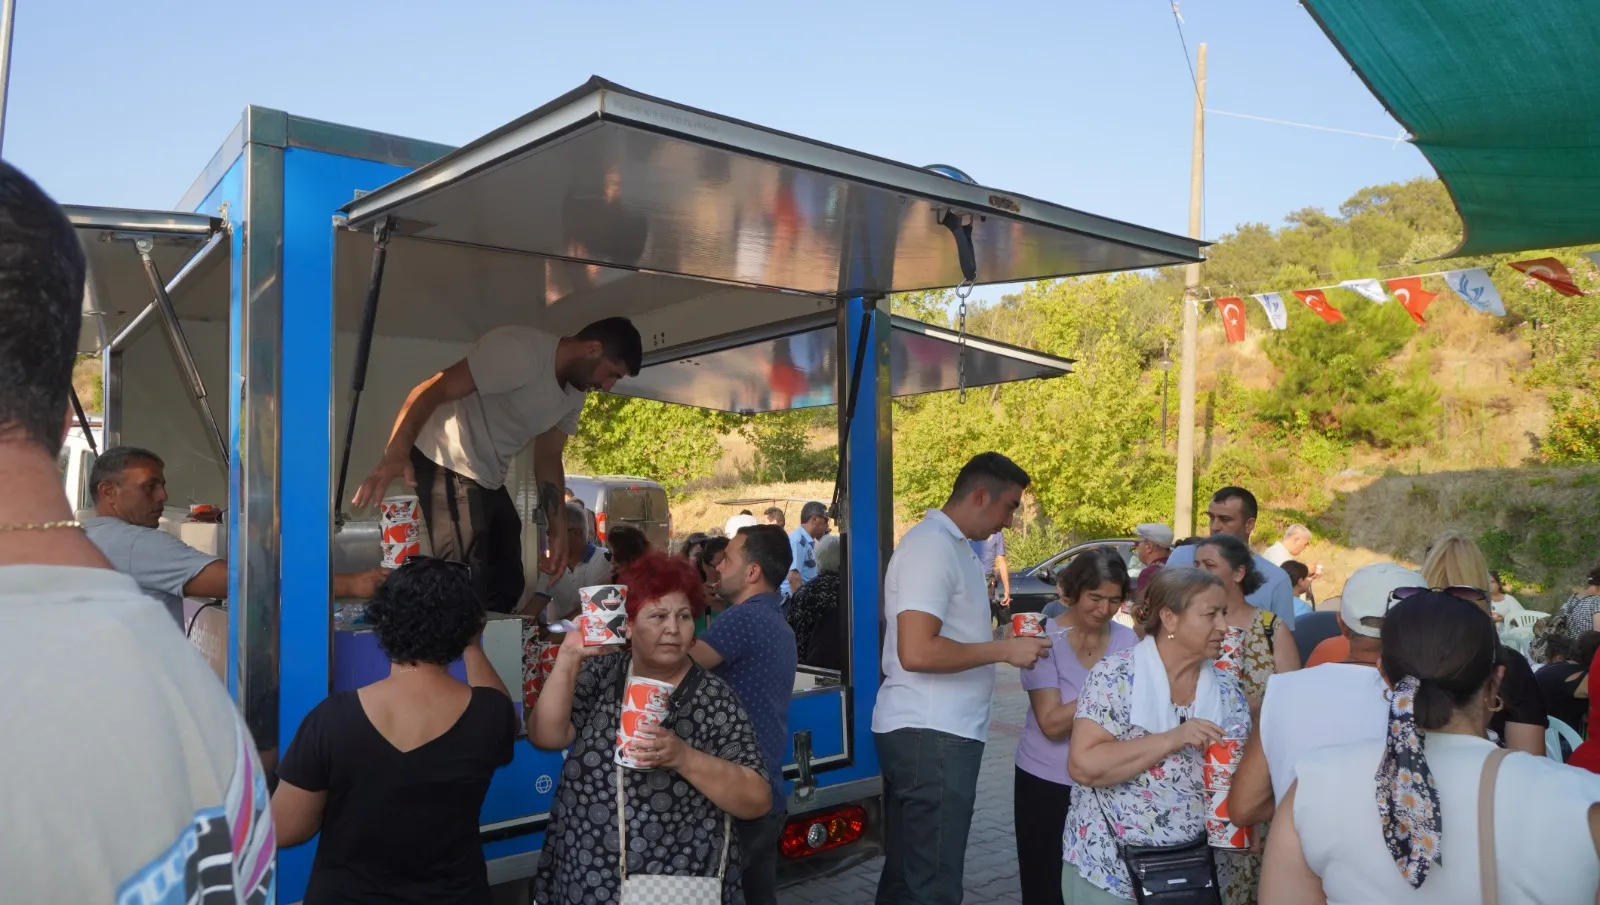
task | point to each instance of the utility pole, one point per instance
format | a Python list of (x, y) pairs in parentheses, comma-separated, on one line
[(8, 13), (1183, 508)]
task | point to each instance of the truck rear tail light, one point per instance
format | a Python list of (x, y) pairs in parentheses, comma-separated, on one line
[(809, 834), (600, 527)]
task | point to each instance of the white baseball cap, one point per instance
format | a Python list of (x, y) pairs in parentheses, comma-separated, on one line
[(1155, 533), (1366, 594)]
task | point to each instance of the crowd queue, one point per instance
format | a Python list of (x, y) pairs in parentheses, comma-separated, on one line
[(1405, 763)]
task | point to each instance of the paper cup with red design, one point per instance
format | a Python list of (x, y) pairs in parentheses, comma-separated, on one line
[(396, 554), (1027, 625), (604, 614), (1232, 653), (1222, 759), (644, 707), (1220, 830), (402, 533), (395, 509), (538, 661)]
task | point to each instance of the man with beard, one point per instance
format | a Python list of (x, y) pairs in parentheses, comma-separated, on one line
[(458, 431)]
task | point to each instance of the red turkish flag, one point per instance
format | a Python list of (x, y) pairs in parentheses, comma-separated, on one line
[(1232, 311), (1551, 272), (1318, 302), (1411, 294)]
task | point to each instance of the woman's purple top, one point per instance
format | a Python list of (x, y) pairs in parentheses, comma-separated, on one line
[(1061, 670)]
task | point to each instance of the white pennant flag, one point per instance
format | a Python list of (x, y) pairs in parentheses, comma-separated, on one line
[(1272, 303), (1476, 290), (1371, 290), (1593, 256)]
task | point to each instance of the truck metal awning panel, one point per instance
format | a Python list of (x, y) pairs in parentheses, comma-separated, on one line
[(795, 365), (609, 176), (117, 289)]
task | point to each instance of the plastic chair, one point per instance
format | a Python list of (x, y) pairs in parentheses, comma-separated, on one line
[(1517, 631), (1560, 740)]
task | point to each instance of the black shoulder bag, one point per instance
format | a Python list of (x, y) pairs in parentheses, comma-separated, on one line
[(1182, 874)]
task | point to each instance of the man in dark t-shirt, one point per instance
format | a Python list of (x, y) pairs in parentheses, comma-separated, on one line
[(751, 647)]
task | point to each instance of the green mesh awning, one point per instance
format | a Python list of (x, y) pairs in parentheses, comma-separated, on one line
[(1503, 96)]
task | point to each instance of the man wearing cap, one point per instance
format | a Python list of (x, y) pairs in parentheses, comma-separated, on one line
[(1332, 704), (1153, 547), (803, 544)]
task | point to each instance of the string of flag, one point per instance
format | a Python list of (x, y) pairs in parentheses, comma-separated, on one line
[(1472, 285)]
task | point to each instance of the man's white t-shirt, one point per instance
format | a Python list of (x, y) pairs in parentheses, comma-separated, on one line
[(934, 571), (518, 398), (1277, 554), (130, 777), (732, 526), (1309, 709)]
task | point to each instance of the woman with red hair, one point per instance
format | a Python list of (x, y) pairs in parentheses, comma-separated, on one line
[(699, 768)]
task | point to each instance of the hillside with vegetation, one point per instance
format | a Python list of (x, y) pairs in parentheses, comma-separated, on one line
[(1377, 433)]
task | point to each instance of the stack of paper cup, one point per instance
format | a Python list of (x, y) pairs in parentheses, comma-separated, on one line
[(400, 519), (1232, 650), (644, 707), (604, 613), (538, 661), (1028, 625), (1222, 759)]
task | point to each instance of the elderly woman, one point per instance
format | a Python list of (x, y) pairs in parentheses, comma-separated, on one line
[(1373, 821), (1145, 717), (1259, 645), (812, 605), (1091, 591), (700, 768), (393, 775), (1455, 564)]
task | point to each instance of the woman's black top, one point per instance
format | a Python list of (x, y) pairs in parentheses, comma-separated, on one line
[(400, 826)]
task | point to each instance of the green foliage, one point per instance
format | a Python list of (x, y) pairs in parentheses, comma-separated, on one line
[(783, 448), (929, 306), (1574, 431), (673, 444), (1342, 381), (1029, 545)]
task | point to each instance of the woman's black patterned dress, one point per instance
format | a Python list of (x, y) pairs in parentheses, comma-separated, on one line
[(672, 828)]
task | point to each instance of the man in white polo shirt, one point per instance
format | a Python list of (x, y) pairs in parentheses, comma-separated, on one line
[(932, 714), (1331, 704)]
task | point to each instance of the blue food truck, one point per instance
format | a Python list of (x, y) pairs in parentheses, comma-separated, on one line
[(262, 336)]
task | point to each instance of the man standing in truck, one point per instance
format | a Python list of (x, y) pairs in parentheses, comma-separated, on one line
[(458, 431)]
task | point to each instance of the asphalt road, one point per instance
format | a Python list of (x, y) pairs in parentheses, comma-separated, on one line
[(991, 872)]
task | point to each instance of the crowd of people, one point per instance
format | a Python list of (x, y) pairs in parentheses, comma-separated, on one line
[(1405, 762)]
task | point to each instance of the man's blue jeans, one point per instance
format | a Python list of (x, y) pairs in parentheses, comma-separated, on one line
[(930, 783)]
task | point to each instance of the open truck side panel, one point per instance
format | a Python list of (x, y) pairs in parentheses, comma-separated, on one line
[(752, 262)]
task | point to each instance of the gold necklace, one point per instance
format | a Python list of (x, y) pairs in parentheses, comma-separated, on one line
[(43, 526)]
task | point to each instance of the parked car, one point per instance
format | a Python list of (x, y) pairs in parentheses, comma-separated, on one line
[(1035, 586), (624, 500)]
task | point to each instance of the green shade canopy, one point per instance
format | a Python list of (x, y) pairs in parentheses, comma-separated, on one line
[(1502, 96)]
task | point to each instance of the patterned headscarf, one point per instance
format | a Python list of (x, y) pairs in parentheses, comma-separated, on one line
[(1408, 799)]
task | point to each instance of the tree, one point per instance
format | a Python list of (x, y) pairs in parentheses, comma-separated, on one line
[(672, 444)]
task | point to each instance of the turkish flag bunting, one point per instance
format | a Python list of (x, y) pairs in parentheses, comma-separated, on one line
[(1411, 294), (1551, 272), (1232, 311), (1318, 302)]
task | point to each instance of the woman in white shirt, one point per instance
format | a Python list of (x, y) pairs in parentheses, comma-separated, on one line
[(1397, 820)]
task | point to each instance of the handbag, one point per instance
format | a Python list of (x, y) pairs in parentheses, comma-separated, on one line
[(1488, 871), (1181, 874), (1539, 650), (662, 889)]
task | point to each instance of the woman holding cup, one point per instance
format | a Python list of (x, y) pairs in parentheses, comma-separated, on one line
[(685, 777), (1145, 718), (1091, 591)]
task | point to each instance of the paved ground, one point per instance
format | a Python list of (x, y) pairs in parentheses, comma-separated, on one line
[(991, 874)]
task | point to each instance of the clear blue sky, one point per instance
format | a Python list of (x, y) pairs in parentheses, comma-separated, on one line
[(1082, 102)]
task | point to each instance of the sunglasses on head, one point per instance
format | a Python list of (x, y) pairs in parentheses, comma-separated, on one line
[(1460, 591)]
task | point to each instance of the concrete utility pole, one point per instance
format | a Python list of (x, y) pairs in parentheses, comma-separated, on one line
[(8, 13), (1183, 508)]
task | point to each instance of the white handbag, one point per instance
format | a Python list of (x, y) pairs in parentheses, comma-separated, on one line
[(660, 889)]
